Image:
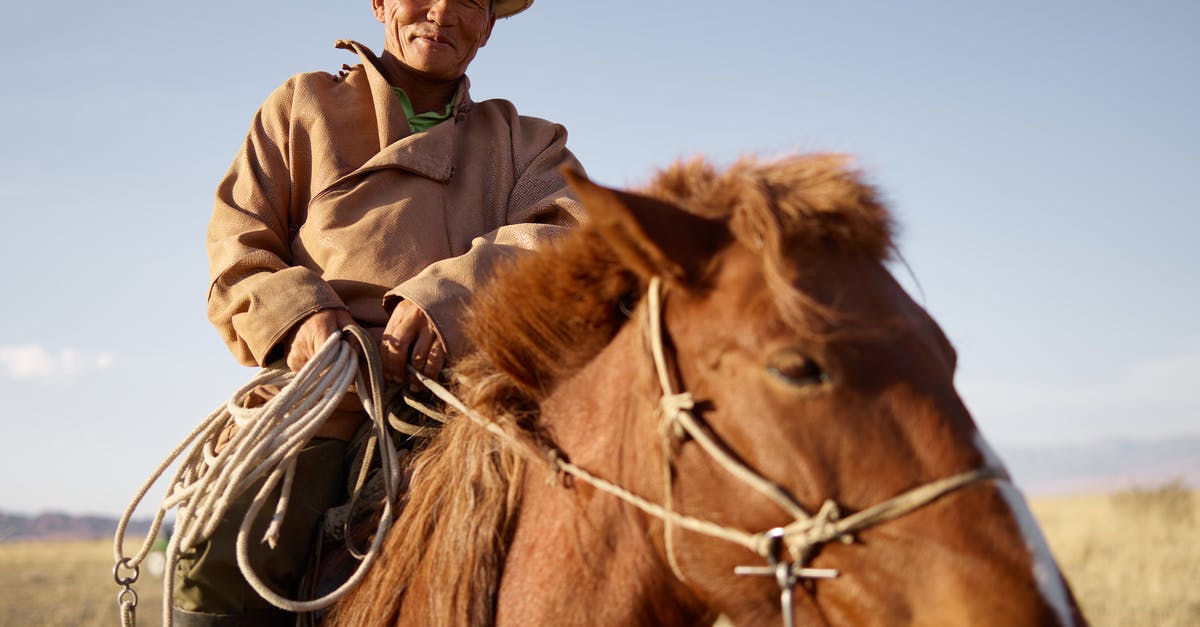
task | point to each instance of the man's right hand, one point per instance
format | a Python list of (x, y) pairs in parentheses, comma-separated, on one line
[(311, 334)]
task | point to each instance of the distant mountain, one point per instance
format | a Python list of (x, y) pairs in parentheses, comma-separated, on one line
[(1103, 465), (58, 526)]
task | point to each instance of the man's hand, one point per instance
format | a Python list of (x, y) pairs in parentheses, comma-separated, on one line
[(410, 337), (312, 333)]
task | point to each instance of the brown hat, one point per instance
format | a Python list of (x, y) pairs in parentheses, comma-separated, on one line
[(507, 8)]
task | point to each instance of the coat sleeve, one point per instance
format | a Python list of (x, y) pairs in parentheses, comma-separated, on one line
[(540, 208), (256, 295)]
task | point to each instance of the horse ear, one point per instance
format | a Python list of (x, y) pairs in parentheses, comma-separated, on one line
[(650, 236)]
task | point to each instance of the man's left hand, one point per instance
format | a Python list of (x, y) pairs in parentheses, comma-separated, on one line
[(411, 337)]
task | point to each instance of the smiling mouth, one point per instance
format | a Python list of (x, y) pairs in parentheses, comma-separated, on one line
[(434, 38)]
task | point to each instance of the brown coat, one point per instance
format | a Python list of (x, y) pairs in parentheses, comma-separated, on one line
[(333, 202)]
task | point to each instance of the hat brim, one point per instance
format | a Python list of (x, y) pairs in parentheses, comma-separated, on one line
[(508, 8)]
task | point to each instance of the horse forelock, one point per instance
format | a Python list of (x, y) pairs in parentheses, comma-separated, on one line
[(811, 201), (800, 205)]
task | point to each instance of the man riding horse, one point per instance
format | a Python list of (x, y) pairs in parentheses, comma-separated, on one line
[(382, 196)]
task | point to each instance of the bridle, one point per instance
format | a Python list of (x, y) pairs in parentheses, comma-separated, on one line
[(786, 549)]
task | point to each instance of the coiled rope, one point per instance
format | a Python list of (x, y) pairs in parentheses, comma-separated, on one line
[(265, 444)]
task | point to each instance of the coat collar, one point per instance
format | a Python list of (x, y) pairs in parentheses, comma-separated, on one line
[(429, 154)]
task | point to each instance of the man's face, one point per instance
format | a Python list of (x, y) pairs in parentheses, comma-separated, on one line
[(435, 38)]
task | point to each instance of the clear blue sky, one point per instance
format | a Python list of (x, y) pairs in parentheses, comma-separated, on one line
[(1042, 158)]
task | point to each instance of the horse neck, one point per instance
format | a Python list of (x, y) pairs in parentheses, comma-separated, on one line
[(608, 561)]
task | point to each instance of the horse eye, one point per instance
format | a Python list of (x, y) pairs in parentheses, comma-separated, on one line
[(796, 369), (627, 303)]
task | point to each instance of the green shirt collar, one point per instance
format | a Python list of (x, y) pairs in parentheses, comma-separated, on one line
[(422, 122)]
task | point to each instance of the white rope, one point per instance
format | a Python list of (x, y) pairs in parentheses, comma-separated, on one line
[(559, 464), (265, 445), (801, 537), (677, 410)]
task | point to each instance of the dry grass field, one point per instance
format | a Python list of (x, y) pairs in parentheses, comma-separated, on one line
[(61, 584), (1132, 557)]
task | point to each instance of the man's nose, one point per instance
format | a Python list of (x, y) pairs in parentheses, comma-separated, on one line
[(439, 11)]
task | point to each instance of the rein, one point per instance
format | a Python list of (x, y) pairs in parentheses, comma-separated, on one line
[(799, 539)]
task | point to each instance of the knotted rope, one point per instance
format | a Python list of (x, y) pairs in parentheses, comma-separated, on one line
[(806, 532), (801, 537), (265, 444)]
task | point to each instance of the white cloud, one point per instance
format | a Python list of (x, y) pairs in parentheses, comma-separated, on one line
[(23, 363)]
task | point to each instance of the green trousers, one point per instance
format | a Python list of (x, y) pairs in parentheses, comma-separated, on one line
[(209, 587)]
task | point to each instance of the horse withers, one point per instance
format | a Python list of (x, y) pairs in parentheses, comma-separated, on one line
[(712, 399)]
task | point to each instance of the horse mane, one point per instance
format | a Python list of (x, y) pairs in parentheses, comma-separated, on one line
[(540, 320)]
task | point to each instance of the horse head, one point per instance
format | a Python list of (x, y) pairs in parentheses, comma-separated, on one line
[(810, 370)]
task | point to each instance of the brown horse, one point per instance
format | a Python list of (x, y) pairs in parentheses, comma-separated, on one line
[(813, 380)]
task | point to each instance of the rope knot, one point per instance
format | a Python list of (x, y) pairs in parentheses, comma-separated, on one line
[(807, 534), (672, 405), (559, 464), (825, 525)]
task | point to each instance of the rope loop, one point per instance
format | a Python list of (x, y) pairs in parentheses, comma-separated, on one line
[(130, 602), (128, 606), (263, 444)]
